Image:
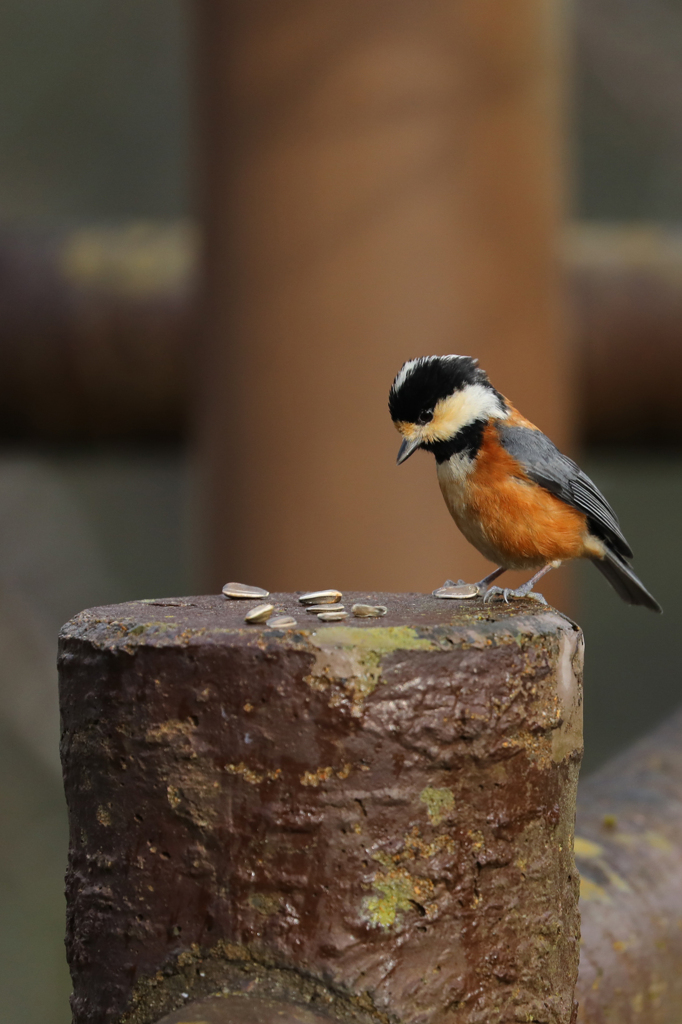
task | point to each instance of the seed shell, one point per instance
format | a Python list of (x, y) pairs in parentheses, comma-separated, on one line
[(281, 621), (369, 611), (315, 609), (321, 597), (243, 592), (461, 591), (260, 613), (332, 616)]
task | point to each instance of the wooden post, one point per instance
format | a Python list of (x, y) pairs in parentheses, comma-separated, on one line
[(380, 180), (360, 821)]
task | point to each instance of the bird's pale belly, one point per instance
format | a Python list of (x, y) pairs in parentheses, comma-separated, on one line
[(515, 523)]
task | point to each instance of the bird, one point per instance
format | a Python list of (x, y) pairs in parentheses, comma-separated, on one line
[(512, 493)]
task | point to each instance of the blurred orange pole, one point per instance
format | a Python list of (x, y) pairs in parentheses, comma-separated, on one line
[(381, 180)]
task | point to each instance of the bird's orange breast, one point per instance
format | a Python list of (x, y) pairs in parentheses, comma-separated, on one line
[(506, 516)]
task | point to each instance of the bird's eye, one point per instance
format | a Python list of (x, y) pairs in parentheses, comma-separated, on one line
[(424, 417)]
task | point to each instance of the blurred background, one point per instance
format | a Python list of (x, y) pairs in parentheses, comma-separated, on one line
[(223, 227)]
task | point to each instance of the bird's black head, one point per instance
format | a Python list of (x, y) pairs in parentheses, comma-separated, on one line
[(442, 403)]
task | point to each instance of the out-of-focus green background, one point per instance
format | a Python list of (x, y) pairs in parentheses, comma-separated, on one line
[(94, 128)]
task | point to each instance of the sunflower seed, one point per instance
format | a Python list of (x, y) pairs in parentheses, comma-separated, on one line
[(369, 611), (321, 597), (240, 591), (332, 616), (260, 613), (315, 609), (281, 621), (460, 591)]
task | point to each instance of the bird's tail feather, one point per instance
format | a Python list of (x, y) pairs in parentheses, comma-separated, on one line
[(624, 582)]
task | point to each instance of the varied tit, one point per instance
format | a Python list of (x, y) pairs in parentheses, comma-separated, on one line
[(512, 493)]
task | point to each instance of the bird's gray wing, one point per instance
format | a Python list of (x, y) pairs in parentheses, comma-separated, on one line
[(543, 462)]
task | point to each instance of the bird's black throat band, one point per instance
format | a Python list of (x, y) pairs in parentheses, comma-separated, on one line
[(466, 441)]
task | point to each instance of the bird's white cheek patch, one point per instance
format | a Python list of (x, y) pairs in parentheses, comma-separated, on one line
[(452, 414)]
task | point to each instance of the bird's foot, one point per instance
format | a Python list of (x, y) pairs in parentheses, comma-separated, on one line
[(484, 588), (507, 592)]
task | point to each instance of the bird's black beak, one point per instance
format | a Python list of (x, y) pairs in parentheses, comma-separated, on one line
[(407, 448)]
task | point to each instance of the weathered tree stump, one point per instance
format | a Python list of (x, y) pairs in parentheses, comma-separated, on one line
[(359, 821)]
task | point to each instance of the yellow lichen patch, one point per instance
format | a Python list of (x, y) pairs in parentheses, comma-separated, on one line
[(103, 816), (350, 657), (477, 841), (586, 848), (319, 775), (320, 681), (169, 731), (251, 775), (316, 777), (590, 892), (439, 803), (377, 639), (397, 891), (265, 903), (173, 795), (415, 846)]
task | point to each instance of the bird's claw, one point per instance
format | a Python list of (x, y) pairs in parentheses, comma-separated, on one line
[(507, 592)]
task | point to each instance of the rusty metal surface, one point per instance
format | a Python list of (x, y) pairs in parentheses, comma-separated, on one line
[(375, 818), (629, 851)]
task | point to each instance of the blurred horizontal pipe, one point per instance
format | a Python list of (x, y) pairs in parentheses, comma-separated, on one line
[(97, 331), (625, 295)]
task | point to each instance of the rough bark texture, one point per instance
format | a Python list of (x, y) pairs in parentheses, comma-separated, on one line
[(372, 819), (629, 849)]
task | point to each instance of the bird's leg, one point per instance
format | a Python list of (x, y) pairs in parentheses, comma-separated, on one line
[(484, 584), (526, 590)]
